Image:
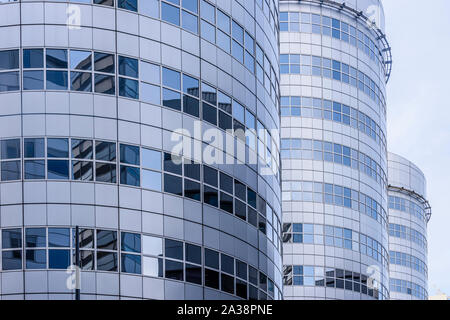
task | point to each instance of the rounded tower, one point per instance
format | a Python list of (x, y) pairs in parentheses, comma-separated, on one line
[(334, 64), (409, 214), (95, 97)]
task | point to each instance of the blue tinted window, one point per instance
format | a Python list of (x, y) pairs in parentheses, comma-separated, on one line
[(80, 60), (34, 169), (223, 21), (171, 99), (36, 237), (57, 80), (170, 13), (131, 242), (57, 148), (128, 5), (58, 259), (9, 81), (171, 79), (191, 5), (149, 8), (208, 31), (131, 263), (190, 22), (33, 80), (129, 154), (56, 58), (105, 84), (33, 58), (208, 12), (58, 237), (130, 176), (150, 93), (104, 62), (128, 67), (128, 88), (58, 169), (36, 259), (9, 59)]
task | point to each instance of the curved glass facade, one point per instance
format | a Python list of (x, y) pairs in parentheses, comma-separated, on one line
[(333, 71), (127, 118), (409, 214)]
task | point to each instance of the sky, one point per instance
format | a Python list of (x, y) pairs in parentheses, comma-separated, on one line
[(419, 112)]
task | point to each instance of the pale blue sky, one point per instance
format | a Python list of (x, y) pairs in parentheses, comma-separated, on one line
[(419, 112)]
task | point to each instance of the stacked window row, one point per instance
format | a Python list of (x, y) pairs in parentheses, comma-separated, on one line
[(331, 27), (54, 248), (75, 70), (332, 69), (310, 276), (409, 261), (335, 237), (184, 93), (405, 205), (334, 111), (102, 161), (215, 26), (306, 149), (407, 233), (407, 287), (318, 192)]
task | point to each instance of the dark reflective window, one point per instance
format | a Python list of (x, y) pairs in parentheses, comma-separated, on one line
[(81, 81), (86, 260), (81, 149), (11, 149), (36, 259), (192, 190), (106, 261), (241, 269), (173, 184), (33, 80), (240, 209), (252, 275), (105, 2), (252, 216), (240, 190), (34, 169), (193, 253), (34, 148), (129, 154), (131, 242), (174, 270), (9, 59), (128, 88), (225, 121), (227, 283), (58, 259), (105, 84), (131, 263), (86, 238), (11, 170), (33, 58), (56, 58), (226, 202), (210, 196), (128, 67), (251, 197), (130, 176), (58, 169), (57, 80), (210, 176), (12, 260), (58, 237), (106, 240), (212, 279), (173, 249), (11, 238), (128, 5), (192, 170), (209, 94), (105, 151), (241, 289), (104, 62), (191, 106), (9, 81), (211, 258), (227, 264), (82, 171), (171, 99), (105, 172), (35, 237), (209, 113), (80, 60), (173, 164), (226, 183), (193, 274)]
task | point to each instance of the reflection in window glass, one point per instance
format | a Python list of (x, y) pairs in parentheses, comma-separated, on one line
[(58, 169), (81, 149), (153, 267), (82, 171), (57, 148), (131, 242), (33, 58), (151, 180), (171, 99), (33, 80), (12, 260), (173, 249), (170, 13), (106, 240), (58, 237), (11, 238), (130, 176), (128, 88), (104, 62), (152, 246), (105, 172), (34, 169), (35, 237), (36, 259), (81, 81), (80, 60), (106, 261), (171, 79), (174, 270), (173, 184), (150, 93), (131, 263), (128, 5), (208, 12), (129, 154), (190, 22), (56, 58), (151, 159), (105, 84), (150, 73), (9, 81), (9, 59), (128, 67), (105, 151), (57, 80)]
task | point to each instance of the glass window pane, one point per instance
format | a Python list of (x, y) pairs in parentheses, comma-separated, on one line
[(35, 237), (106, 240), (150, 73), (129, 154), (207, 11), (11, 238), (174, 270), (104, 62), (57, 80), (81, 81), (105, 84), (58, 169), (57, 148), (33, 80), (33, 58), (11, 149), (171, 78), (151, 180), (170, 13), (80, 60), (12, 260), (149, 8), (128, 88), (131, 242), (130, 176), (9, 59), (128, 67), (173, 249), (36, 259), (56, 58), (81, 149), (190, 22), (105, 151), (105, 172), (58, 259), (193, 253), (128, 5), (153, 267), (82, 171), (106, 261), (131, 263), (9, 81), (58, 237), (150, 93), (171, 99), (34, 169)]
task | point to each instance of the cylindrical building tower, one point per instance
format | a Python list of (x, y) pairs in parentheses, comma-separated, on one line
[(409, 213), (335, 62), (94, 96)]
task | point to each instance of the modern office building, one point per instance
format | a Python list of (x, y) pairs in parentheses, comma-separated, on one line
[(93, 95), (409, 213), (334, 66)]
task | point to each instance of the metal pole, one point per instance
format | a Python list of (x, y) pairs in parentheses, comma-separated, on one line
[(77, 262)]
